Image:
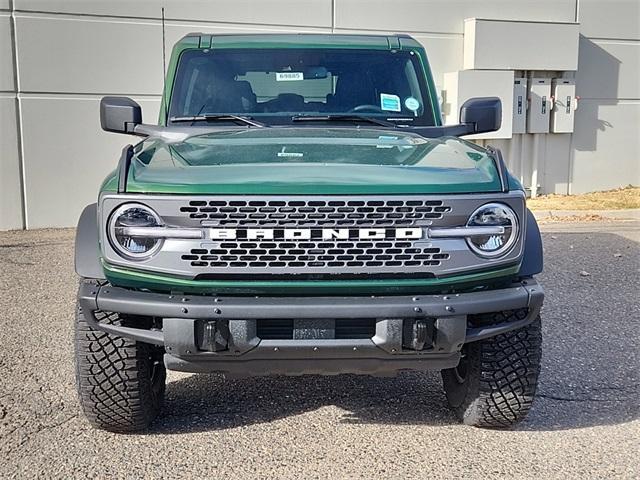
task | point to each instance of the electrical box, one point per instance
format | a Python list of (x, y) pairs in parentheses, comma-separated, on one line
[(540, 105), (520, 45), (465, 84), (519, 105), (565, 102)]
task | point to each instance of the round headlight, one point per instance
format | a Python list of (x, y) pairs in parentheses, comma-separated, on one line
[(126, 231), (493, 215)]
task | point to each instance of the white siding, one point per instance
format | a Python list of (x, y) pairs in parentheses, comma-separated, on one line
[(10, 193), (65, 165)]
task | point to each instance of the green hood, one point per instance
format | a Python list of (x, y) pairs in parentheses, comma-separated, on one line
[(309, 160)]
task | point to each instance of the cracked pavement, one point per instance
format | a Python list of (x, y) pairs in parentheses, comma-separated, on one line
[(584, 424)]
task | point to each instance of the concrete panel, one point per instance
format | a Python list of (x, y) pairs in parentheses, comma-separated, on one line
[(121, 8), (312, 13), (66, 161), (507, 45), (610, 19), (554, 175), (606, 145), (10, 195), (7, 83), (84, 55), (608, 69), (445, 16), (463, 85), (5, 5)]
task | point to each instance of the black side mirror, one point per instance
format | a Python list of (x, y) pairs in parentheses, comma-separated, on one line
[(482, 114), (119, 114)]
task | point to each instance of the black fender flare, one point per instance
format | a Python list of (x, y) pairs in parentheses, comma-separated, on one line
[(532, 261), (87, 252)]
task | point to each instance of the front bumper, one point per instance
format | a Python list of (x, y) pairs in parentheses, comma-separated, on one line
[(245, 353)]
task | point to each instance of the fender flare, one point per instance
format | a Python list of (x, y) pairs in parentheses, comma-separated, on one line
[(532, 261), (87, 251)]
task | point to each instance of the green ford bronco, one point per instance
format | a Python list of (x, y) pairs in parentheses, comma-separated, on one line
[(301, 209)]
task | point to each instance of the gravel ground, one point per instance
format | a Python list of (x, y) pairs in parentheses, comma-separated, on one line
[(584, 424)]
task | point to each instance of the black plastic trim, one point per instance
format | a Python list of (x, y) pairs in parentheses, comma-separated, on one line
[(532, 259), (496, 154), (87, 245), (123, 168)]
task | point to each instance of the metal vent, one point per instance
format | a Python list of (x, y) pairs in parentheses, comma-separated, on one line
[(334, 255), (314, 213)]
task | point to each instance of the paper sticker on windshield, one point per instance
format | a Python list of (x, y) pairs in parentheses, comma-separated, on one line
[(390, 103), (289, 76), (291, 154), (412, 104), (384, 140)]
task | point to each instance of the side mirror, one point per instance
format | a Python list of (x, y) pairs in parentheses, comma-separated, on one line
[(482, 114), (119, 114)]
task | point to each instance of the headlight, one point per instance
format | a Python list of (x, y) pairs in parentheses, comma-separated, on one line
[(496, 244), (127, 231)]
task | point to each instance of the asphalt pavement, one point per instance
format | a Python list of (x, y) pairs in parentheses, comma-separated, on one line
[(584, 424)]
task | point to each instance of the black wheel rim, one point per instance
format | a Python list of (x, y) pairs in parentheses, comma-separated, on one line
[(462, 369)]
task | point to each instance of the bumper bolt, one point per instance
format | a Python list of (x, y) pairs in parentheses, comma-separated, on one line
[(449, 308), (217, 311), (417, 309), (184, 310)]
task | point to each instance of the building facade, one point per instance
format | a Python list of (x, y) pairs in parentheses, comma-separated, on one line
[(59, 57)]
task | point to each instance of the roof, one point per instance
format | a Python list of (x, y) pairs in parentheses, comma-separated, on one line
[(297, 40)]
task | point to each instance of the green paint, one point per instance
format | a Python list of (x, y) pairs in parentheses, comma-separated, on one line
[(163, 283), (320, 161)]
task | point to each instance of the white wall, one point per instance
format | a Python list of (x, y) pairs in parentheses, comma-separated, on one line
[(71, 52)]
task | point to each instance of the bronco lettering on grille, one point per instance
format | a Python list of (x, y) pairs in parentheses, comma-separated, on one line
[(315, 233)]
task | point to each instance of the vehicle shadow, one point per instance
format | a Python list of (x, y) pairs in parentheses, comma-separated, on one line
[(589, 376)]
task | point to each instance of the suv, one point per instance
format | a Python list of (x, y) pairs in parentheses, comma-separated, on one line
[(301, 209)]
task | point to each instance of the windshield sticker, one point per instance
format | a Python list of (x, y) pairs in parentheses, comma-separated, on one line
[(412, 104), (289, 76), (290, 154), (384, 141), (390, 103)]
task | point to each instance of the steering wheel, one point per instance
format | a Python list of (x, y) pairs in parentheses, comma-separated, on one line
[(365, 108)]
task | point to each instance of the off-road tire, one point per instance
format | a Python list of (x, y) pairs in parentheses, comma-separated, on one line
[(495, 383), (120, 382)]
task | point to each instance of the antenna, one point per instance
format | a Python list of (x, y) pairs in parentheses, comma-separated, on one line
[(164, 70)]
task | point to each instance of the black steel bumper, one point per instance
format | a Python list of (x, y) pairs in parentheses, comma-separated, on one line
[(247, 354)]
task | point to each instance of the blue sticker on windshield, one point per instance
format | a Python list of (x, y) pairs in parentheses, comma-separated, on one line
[(412, 104), (389, 103)]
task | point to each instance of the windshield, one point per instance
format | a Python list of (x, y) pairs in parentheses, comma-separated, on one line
[(278, 84)]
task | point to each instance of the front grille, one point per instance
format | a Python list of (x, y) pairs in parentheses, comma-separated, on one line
[(311, 237), (315, 213), (315, 257), (333, 255), (348, 328)]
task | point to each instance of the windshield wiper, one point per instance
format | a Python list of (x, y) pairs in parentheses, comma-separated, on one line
[(218, 118), (347, 117)]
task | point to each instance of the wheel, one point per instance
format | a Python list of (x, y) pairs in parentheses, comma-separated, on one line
[(120, 382), (495, 382)]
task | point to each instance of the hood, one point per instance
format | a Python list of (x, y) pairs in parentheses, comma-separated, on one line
[(309, 160)]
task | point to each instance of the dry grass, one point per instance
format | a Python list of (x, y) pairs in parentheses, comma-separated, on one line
[(589, 217), (619, 199)]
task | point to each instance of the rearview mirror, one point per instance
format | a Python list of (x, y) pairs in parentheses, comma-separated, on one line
[(119, 114), (482, 114)]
